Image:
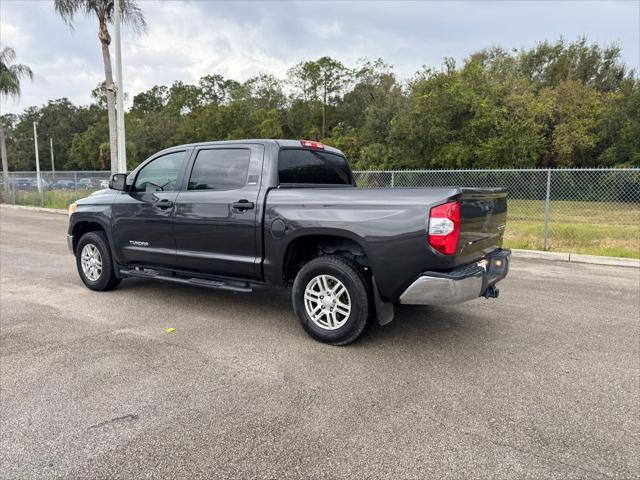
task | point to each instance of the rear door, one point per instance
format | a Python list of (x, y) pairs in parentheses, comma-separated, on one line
[(143, 216), (216, 224)]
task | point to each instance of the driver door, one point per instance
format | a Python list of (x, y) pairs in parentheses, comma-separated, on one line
[(143, 216)]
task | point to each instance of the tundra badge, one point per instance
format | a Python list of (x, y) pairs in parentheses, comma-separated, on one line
[(136, 243)]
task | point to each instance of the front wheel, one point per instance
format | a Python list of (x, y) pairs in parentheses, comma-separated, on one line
[(93, 260), (332, 299)]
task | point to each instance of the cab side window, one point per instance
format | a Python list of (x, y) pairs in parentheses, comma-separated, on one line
[(161, 175), (220, 169)]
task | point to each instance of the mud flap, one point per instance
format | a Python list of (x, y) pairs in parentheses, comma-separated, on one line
[(384, 310)]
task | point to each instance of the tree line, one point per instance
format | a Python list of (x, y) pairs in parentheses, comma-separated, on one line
[(557, 104)]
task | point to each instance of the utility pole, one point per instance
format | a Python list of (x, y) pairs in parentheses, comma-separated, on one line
[(53, 164), (122, 153), (5, 166), (35, 141)]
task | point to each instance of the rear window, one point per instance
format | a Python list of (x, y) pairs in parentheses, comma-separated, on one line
[(312, 166), (220, 169)]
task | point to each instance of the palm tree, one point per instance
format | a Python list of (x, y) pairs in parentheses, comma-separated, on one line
[(10, 76), (103, 10)]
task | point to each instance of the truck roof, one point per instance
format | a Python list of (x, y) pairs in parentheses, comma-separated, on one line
[(281, 143)]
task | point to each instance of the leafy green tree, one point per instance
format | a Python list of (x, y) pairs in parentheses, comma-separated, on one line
[(266, 92), (346, 139), (182, 98), (153, 100), (99, 96), (11, 74), (21, 140), (549, 64), (297, 120), (577, 110), (150, 134), (215, 89), (59, 120), (374, 156), (557, 104), (376, 93), (319, 82), (268, 122), (370, 108), (621, 127), (333, 77), (90, 149), (202, 124)]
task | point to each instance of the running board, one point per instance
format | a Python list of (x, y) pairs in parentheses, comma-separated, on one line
[(242, 287)]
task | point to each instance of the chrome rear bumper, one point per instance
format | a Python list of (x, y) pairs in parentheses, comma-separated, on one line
[(459, 285)]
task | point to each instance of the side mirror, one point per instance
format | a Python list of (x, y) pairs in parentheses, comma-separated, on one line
[(118, 181)]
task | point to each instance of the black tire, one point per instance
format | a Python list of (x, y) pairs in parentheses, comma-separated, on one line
[(107, 279), (358, 286)]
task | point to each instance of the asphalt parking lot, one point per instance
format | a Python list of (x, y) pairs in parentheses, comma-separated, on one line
[(541, 383)]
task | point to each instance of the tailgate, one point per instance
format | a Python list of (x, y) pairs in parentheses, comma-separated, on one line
[(483, 218)]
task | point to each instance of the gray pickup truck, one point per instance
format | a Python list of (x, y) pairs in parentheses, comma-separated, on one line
[(232, 215)]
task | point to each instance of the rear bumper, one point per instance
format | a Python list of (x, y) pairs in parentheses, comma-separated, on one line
[(459, 285)]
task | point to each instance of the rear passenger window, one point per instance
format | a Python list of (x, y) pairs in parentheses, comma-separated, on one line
[(220, 169)]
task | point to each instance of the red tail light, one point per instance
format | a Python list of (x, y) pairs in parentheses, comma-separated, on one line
[(444, 227), (311, 144)]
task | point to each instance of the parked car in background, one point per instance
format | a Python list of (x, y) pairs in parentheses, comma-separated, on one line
[(29, 183), (85, 184), (22, 183), (104, 183), (231, 215), (45, 184), (64, 185)]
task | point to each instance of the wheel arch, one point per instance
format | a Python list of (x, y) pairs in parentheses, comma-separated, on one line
[(82, 227), (304, 247)]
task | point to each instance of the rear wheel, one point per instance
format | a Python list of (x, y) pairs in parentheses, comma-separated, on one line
[(332, 299), (93, 260)]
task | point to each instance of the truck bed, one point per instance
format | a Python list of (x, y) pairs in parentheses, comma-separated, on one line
[(390, 224)]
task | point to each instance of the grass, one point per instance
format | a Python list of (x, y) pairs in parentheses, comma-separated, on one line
[(49, 199), (608, 240), (566, 211), (592, 228)]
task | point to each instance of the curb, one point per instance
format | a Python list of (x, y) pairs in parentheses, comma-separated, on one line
[(59, 211), (540, 255), (526, 254), (576, 258)]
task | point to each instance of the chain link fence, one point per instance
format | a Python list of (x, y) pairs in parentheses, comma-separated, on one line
[(591, 211), (56, 189)]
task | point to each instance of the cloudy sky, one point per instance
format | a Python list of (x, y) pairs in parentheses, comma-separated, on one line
[(186, 40)]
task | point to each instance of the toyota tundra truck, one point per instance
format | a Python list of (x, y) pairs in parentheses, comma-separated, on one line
[(233, 215)]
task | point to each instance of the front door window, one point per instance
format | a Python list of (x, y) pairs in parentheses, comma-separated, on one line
[(161, 175)]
